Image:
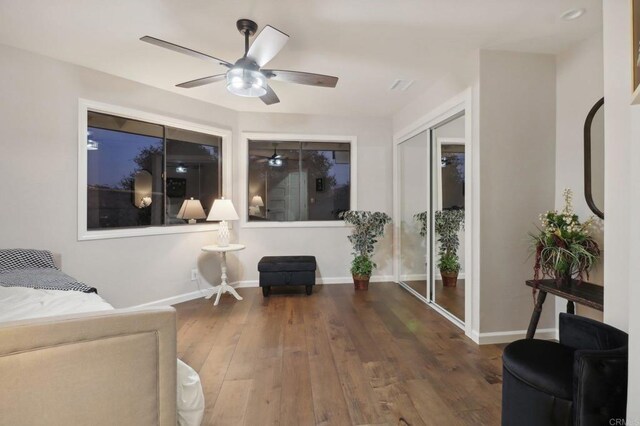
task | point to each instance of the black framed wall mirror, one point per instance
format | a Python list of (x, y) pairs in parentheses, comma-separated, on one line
[(594, 159)]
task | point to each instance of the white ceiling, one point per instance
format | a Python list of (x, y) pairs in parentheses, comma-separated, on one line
[(367, 43)]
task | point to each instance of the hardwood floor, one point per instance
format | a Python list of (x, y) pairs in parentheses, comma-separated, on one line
[(449, 298), (337, 358), (419, 286)]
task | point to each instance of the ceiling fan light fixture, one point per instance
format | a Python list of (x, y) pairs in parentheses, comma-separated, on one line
[(246, 82), (275, 162)]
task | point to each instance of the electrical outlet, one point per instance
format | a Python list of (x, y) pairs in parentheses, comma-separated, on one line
[(194, 274)]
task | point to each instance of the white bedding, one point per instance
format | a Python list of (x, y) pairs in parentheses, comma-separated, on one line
[(18, 303)]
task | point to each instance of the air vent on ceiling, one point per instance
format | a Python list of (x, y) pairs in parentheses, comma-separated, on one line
[(401, 85)]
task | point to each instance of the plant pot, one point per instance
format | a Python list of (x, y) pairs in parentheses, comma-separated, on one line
[(361, 282), (563, 280), (449, 279)]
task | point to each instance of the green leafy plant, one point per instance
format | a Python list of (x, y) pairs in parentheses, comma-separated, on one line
[(367, 228), (447, 225), (449, 263), (422, 219), (362, 266), (564, 247)]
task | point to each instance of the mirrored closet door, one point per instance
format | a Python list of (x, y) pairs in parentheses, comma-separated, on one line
[(413, 155), (432, 196), (448, 208)]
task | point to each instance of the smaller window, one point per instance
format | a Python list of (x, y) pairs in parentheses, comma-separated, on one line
[(298, 181)]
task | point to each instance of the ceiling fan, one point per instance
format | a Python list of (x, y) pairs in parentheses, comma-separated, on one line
[(246, 77), (275, 160)]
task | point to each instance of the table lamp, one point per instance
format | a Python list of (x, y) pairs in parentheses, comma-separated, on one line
[(256, 203), (223, 211), (191, 210)]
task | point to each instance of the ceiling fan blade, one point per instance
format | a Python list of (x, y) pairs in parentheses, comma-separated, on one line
[(270, 97), (267, 45), (201, 81), (184, 50), (300, 77)]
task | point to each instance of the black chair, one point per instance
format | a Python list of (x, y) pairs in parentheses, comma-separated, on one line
[(582, 380)]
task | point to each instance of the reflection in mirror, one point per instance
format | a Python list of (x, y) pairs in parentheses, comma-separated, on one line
[(413, 154), (594, 158), (124, 166), (193, 171), (142, 189), (291, 181), (448, 199)]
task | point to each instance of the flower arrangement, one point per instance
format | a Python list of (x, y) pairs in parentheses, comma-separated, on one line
[(564, 247), (367, 228)]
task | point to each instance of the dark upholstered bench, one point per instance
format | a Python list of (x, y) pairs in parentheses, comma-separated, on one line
[(287, 270)]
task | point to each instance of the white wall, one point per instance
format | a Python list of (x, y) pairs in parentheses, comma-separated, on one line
[(517, 180), (38, 163), (622, 190), (459, 79), (617, 117), (579, 85)]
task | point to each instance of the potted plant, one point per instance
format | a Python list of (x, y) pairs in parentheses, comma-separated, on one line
[(564, 247), (447, 225), (367, 228)]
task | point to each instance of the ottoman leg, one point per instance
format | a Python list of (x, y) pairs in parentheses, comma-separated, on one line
[(309, 289), (266, 290)]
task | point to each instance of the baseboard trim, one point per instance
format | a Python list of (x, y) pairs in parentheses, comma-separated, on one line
[(326, 280), (185, 297), (510, 336), (423, 277), (413, 277)]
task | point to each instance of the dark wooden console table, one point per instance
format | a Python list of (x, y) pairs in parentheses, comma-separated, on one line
[(584, 293)]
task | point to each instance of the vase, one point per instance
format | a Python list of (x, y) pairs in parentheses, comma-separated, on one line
[(563, 279), (361, 282), (449, 279)]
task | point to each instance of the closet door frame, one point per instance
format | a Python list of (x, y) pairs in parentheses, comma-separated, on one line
[(461, 103)]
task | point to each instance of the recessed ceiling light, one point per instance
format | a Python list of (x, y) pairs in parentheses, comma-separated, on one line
[(573, 14)]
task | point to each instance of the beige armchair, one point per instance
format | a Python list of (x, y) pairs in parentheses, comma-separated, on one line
[(102, 368)]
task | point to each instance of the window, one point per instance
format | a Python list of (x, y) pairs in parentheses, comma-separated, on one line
[(139, 172), (298, 181)]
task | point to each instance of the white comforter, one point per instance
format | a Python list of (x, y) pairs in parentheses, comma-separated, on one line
[(18, 303)]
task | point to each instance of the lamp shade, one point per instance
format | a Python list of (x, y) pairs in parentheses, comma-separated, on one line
[(191, 209), (256, 201), (222, 209)]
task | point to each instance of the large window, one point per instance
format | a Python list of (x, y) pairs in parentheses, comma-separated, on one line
[(298, 181), (139, 173)]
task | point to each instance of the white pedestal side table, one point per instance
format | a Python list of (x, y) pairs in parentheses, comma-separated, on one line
[(224, 287)]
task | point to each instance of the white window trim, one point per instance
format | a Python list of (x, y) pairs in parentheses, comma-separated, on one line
[(244, 175), (84, 106)]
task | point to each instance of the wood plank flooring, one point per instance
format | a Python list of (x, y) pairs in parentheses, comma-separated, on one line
[(337, 357), (448, 298)]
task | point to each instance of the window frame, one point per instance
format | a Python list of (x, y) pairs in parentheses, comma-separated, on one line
[(84, 106), (245, 137)]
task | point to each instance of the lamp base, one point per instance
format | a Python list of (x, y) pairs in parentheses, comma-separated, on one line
[(223, 234), (192, 221)]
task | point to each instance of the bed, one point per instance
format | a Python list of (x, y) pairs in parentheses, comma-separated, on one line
[(68, 357)]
